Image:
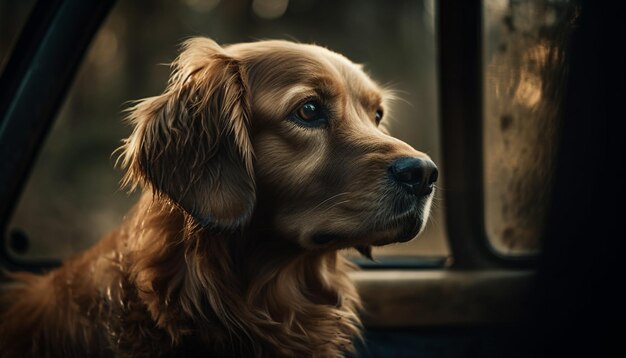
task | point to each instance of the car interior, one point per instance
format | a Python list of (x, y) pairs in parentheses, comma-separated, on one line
[(517, 102)]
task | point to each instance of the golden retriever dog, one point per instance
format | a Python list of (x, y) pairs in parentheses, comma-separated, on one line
[(258, 164)]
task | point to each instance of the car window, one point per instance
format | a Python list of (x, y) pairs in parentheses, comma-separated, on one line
[(73, 198), (525, 64)]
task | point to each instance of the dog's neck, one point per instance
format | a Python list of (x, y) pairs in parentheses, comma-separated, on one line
[(270, 296)]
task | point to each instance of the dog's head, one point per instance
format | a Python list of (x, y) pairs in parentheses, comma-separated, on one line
[(286, 131)]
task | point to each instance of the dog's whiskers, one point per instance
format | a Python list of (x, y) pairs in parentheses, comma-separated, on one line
[(326, 201), (337, 204)]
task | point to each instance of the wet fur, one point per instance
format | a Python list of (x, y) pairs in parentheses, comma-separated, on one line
[(216, 256)]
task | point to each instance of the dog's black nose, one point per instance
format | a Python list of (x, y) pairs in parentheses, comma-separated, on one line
[(416, 174)]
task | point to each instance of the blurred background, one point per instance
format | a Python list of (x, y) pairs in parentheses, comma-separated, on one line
[(73, 198)]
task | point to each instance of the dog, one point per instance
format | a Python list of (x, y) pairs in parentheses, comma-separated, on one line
[(257, 165)]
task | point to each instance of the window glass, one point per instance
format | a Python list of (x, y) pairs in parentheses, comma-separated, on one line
[(72, 198), (525, 59)]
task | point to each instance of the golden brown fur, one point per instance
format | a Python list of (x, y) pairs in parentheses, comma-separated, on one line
[(220, 253)]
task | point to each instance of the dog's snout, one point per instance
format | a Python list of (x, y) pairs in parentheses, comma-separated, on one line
[(416, 174)]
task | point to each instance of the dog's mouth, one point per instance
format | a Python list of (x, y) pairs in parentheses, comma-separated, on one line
[(400, 221)]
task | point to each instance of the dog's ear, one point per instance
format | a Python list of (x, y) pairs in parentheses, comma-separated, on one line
[(191, 144)]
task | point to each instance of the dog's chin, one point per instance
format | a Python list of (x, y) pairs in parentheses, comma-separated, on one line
[(405, 232), (397, 230)]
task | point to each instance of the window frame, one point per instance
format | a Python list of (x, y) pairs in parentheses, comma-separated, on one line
[(460, 45), (40, 70)]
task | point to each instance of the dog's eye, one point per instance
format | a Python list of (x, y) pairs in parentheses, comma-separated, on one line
[(309, 111), (311, 114), (379, 116)]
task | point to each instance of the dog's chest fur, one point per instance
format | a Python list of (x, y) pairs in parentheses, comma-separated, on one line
[(158, 288)]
